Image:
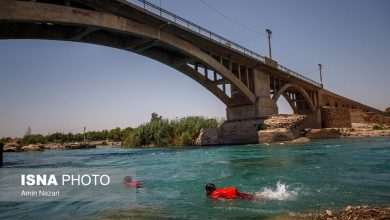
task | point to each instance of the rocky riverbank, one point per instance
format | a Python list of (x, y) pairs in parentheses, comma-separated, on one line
[(357, 130), (286, 129), (357, 213), (15, 147)]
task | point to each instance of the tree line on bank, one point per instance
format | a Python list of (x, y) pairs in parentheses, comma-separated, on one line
[(157, 132)]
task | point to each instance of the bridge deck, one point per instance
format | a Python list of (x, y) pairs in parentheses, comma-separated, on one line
[(148, 13), (161, 32)]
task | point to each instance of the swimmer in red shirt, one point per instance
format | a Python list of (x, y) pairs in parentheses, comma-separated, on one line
[(225, 193), (129, 183)]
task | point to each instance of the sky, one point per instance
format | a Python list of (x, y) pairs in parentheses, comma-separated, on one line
[(56, 86)]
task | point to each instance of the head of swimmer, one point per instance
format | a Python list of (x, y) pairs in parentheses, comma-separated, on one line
[(127, 179), (209, 188)]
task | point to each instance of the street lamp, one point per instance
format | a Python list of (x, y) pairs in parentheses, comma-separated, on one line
[(320, 66), (269, 32), (160, 9)]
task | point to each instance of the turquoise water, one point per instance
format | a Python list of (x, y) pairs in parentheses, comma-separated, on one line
[(294, 180)]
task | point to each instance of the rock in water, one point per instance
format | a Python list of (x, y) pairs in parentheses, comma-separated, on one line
[(323, 133), (281, 128)]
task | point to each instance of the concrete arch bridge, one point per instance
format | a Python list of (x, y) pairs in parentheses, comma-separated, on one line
[(247, 83)]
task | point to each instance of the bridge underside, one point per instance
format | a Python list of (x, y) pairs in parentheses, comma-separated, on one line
[(231, 82)]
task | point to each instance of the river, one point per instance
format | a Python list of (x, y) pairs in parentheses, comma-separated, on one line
[(295, 180)]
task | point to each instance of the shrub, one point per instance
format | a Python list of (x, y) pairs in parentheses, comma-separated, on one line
[(186, 139), (377, 127), (162, 132)]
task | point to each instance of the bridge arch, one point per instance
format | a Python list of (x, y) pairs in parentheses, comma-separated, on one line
[(290, 91), (35, 20)]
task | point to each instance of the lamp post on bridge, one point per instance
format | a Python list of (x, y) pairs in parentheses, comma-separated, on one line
[(269, 32), (160, 9), (320, 66)]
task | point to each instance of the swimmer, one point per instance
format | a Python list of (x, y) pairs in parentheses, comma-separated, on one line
[(129, 183), (225, 193)]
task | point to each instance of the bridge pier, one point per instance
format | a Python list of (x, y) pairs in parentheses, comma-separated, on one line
[(243, 121), (264, 105)]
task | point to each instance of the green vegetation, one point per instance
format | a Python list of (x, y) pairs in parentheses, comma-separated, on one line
[(33, 139), (113, 135), (261, 127), (158, 132), (5, 140), (377, 127), (163, 132)]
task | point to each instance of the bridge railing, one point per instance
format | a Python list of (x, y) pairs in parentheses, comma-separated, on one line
[(147, 6), (194, 27), (299, 76)]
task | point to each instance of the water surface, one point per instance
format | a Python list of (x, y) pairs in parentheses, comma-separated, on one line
[(296, 180)]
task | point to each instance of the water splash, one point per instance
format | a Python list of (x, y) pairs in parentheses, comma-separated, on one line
[(282, 192)]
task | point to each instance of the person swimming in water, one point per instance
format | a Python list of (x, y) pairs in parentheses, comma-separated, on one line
[(129, 183), (225, 193)]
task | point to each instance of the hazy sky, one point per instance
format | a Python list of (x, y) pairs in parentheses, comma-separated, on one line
[(61, 86)]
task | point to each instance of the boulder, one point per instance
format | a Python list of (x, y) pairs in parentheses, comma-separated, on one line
[(32, 147), (284, 121), (53, 146), (300, 140), (278, 135), (11, 147), (208, 136), (323, 133), (281, 128)]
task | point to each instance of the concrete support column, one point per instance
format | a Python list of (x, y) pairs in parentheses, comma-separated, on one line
[(264, 105)]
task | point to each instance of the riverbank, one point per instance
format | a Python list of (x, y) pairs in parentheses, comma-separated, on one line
[(13, 146), (357, 130), (357, 212), (287, 129), (329, 133)]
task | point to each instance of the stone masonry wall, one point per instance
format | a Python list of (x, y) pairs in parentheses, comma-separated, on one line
[(372, 117), (357, 115), (240, 132), (336, 118), (230, 132)]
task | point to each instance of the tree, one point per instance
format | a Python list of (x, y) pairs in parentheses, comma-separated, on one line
[(155, 117), (115, 134), (33, 139), (57, 137)]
